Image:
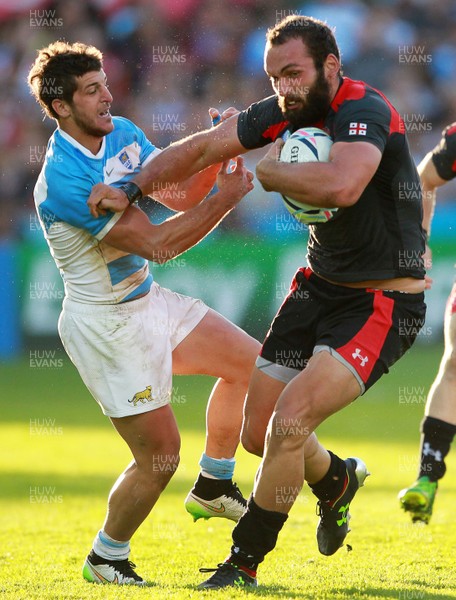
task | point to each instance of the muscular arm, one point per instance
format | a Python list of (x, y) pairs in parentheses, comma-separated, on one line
[(192, 190), (176, 163), (134, 233), (192, 154), (335, 184)]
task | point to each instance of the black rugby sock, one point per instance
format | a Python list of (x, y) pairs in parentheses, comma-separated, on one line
[(436, 439), (208, 489), (332, 484), (254, 536)]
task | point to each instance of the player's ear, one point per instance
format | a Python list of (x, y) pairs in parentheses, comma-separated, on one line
[(61, 107), (331, 65)]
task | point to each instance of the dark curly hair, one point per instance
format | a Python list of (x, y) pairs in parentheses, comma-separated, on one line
[(316, 35), (54, 72)]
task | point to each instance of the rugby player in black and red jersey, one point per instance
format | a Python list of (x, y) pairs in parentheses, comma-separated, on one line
[(439, 424), (351, 313)]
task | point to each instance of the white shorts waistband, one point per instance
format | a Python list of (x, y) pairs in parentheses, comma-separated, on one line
[(123, 308)]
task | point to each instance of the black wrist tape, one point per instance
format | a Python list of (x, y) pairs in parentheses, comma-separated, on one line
[(132, 191)]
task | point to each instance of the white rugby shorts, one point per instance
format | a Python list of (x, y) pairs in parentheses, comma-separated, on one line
[(123, 351)]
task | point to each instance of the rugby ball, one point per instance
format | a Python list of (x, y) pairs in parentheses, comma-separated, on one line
[(308, 144)]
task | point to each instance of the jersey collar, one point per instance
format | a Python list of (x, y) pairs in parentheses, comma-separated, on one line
[(349, 89), (82, 148)]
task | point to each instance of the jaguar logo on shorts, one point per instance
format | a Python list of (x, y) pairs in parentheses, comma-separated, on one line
[(143, 397)]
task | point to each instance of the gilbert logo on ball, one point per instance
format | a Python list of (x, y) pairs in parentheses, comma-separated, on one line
[(308, 144)]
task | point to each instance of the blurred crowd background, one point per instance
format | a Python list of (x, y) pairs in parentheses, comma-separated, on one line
[(167, 61)]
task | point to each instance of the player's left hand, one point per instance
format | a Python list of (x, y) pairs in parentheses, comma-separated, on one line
[(266, 165), (104, 197)]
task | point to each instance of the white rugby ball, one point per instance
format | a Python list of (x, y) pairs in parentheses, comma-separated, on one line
[(308, 144)]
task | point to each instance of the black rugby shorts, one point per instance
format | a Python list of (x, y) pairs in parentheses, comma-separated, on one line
[(368, 330)]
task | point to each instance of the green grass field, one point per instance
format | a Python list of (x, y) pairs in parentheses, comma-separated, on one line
[(60, 457)]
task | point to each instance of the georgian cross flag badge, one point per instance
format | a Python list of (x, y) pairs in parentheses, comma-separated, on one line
[(357, 129)]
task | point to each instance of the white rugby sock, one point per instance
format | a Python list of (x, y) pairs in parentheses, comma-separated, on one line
[(106, 547)]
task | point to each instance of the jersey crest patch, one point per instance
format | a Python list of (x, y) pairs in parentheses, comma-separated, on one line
[(126, 161), (123, 164)]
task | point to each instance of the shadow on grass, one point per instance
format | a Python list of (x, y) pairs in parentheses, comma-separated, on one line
[(28, 484), (36, 487), (405, 593)]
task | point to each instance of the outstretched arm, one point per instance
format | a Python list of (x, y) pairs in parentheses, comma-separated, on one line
[(185, 194), (176, 163), (186, 157)]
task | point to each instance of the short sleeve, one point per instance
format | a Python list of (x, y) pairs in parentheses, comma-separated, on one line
[(364, 120), (261, 123), (68, 202), (127, 134)]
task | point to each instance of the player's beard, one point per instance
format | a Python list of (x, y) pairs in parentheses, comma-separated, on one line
[(88, 127), (315, 104)]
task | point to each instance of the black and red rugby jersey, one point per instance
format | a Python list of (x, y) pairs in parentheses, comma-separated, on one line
[(379, 237), (444, 154)]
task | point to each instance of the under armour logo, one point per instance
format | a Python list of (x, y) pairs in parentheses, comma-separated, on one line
[(344, 511), (357, 354), (428, 451)]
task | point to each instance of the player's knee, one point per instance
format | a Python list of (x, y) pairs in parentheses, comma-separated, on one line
[(243, 361), (252, 442), (163, 466), (161, 458), (294, 421), (289, 429), (311, 446)]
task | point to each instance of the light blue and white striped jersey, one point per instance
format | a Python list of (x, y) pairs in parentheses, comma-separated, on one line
[(93, 271)]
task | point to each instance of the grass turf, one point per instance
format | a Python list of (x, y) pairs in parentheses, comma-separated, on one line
[(60, 457)]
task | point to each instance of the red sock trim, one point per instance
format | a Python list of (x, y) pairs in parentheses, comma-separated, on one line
[(249, 572), (331, 504)]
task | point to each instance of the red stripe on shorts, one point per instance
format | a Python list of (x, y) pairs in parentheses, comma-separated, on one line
[(364, 349)]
